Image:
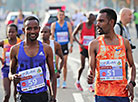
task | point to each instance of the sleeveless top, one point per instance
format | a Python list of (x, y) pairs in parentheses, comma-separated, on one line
[(111, 73), (6, 51), (20, 26), (86, 35), (62, 33), (52, 45), (32, 70)]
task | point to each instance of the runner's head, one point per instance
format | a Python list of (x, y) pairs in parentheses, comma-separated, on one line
[(31, 28), (12, 31), (91, 18), (126, 15), (45, 33), (106, 20), (61, 15)]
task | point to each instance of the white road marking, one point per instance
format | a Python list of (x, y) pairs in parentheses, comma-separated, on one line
[(78, 97)]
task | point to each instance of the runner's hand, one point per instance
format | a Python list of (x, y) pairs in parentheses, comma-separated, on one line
[(57, 74), (70, 50), (130, 89), (90, 78), (16, 78)]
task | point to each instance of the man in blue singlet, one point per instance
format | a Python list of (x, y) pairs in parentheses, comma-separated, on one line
[(30, 57), (19, 22), (62, 31)]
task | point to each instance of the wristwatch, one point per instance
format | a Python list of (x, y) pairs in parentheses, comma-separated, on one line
[(133, 83)]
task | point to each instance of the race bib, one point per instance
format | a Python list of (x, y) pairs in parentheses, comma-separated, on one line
[(20, 26), (7, 58), (87, 39), (111, 70), (32, 79), (62, 37)]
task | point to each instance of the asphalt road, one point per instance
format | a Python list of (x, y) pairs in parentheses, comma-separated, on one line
[(71, 94)]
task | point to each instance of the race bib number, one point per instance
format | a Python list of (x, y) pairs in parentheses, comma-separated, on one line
[(20, 26), (62, 37), (32, 79), (87, 39), (7, 58), (111, 70)]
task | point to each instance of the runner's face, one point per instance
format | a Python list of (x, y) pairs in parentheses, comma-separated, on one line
[(91, 18), (103, 24), (31, 29), (60, 16), (128, 17), (11, 32), (45, 33)]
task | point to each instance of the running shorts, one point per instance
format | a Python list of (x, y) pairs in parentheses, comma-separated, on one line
[(84, 52), (65, 49), (5, 71), (27, 97)]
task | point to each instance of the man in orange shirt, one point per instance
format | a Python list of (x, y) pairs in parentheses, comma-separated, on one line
[(108, 55)]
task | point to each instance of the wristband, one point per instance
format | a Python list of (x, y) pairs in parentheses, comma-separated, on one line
[(71, 45), (133, 83)]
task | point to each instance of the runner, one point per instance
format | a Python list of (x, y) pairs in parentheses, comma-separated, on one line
[(31, 56), (56, 47), (19, 22), (61, 32), (87, 34), (6, 45), (108, 55)]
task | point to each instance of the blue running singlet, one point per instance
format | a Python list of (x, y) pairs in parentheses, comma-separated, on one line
[(20, 26), (32, 70), (62, 33)]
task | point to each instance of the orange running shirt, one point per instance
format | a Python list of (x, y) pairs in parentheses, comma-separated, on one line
[(110, 64), (6, 51)]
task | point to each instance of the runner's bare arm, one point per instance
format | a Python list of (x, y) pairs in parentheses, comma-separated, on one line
[(16, 21), (130, 87), (92, 48), (49, 59), (130, 60), (58, 51), (75, 32), (1, 45), (70, 33), (13, 64), (53, 30)]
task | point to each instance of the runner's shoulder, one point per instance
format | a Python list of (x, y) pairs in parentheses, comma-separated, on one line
[(15, 48), (53, 24), (94, 42), (46, 47)]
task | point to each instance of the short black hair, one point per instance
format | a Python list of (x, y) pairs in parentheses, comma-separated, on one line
[(111, 14), (30, 18), (13, 25)]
